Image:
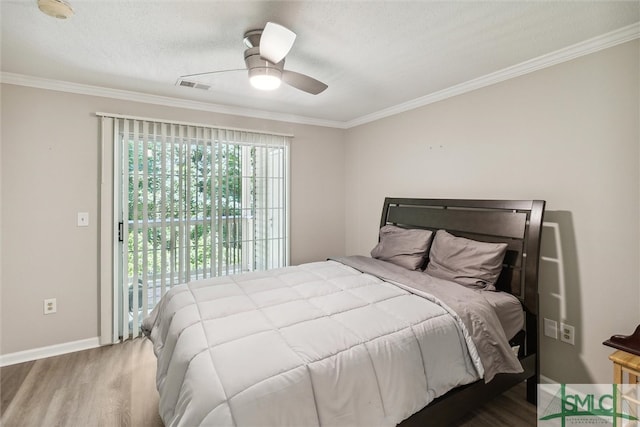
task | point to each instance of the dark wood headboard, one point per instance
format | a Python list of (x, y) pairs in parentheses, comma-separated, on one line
[(518, 223)]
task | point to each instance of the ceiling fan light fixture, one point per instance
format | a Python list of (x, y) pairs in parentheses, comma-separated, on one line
[(264, 58), (56, 8), (276, 42), (265, 78)]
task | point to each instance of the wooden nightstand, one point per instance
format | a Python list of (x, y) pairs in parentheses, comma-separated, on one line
[(626, 366), (625, 363)]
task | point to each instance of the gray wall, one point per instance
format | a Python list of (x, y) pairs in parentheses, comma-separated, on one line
[(50, 171), (568, 134)]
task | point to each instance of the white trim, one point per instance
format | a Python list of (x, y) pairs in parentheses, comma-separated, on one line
[(108, 233), (586, 47), (547, 380), (545, 383), (595, 44), (127, 95), (48, 351)]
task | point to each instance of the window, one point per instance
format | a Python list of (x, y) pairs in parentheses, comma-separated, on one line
[(195, 202)]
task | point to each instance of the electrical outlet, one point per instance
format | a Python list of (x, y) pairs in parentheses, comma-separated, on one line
[(50, 306), (551, 328), (567, 333)]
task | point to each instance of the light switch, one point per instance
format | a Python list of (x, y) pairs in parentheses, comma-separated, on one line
[(551, 328), (83, 219)]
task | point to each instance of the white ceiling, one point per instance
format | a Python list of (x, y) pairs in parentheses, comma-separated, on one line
[(374, 55)]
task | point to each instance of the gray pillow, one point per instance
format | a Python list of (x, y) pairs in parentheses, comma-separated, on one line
[(405, 247), (464, 261)]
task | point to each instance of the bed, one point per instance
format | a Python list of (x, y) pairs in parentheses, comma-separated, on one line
[(361, 340)]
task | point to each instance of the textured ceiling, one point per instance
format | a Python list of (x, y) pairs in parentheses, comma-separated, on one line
[(373, 54)]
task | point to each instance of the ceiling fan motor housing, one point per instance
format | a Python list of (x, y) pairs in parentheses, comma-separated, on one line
[(252, 38), (260, 66)]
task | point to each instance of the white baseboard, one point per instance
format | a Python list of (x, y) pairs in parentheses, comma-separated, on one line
[(48, 351), (545, 383), (547, 380)]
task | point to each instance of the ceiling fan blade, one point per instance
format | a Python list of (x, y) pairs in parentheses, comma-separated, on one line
[(303, 82), (189, 80), (211, 72), (275, 42)]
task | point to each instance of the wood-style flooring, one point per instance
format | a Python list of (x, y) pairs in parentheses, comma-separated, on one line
[(115, 386)]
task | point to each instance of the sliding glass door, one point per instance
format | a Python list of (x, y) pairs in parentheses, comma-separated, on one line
[(194, 202)]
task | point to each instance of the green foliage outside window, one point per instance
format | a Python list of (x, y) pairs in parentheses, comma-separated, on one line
[(193, 181)]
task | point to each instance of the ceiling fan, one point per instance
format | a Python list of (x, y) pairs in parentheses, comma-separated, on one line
[(265, 57)]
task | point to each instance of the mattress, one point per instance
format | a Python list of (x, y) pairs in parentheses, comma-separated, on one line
[(329, 343), (473, 310), (316, 344)]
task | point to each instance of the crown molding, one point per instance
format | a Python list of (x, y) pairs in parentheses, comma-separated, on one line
[(126, 95), (586, 47)]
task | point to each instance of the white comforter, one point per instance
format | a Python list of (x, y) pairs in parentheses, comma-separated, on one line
[(316, 344)]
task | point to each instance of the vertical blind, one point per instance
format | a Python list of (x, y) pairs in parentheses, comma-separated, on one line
[(196, 202)]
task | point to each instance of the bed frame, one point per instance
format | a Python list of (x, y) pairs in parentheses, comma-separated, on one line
[(515, 222)]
